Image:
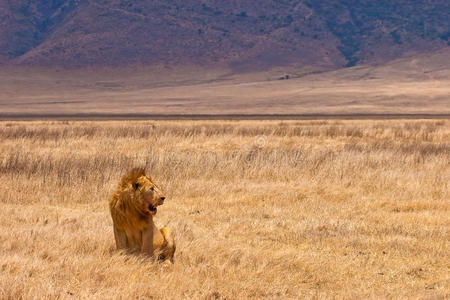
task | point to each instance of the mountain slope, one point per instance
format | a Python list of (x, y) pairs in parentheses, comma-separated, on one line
[(245, 34)]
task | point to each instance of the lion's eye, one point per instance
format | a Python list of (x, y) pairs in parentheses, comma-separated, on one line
[(152, 189)]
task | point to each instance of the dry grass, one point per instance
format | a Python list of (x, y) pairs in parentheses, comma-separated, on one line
[(261, 209)]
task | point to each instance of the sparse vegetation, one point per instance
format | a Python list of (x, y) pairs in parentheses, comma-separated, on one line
[(260, 209)]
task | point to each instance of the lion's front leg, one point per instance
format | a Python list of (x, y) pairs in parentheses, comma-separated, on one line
[(147, 241), (121, 238), (169, 250)]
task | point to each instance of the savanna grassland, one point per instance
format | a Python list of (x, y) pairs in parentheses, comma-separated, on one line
[(260, 209)]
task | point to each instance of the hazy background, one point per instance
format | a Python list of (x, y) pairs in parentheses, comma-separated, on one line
[(90, 58)]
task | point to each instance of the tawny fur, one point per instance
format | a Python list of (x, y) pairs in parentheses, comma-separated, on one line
[(132, 207)]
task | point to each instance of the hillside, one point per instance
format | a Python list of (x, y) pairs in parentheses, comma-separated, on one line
[(244, 35)]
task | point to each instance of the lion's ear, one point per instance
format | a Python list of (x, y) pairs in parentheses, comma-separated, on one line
[(135, 185)]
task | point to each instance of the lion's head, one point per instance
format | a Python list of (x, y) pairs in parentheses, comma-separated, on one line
[(145, 195)]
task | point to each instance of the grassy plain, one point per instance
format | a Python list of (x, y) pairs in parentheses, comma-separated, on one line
[(419, 85), (260, 209)]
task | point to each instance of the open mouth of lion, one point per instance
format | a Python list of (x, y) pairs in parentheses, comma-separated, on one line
[(152, 210)]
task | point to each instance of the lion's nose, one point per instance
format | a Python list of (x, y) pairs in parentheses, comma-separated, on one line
[(162, 198)]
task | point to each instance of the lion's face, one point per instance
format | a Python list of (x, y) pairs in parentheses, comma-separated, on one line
[(150, 195)]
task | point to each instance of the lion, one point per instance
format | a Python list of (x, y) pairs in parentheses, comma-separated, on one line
[(133, 206)]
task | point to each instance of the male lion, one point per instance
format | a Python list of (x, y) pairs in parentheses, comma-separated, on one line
[(132, 206)]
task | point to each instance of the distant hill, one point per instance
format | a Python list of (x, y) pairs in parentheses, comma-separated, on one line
[(242, 34)]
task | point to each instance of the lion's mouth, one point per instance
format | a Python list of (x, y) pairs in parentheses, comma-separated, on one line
[(152, 209)]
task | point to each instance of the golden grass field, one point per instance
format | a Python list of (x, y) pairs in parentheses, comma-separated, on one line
[(260, 209)]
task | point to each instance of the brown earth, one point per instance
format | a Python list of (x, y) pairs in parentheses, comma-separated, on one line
[(418, 86)]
